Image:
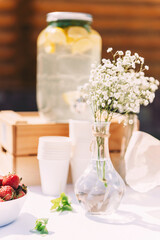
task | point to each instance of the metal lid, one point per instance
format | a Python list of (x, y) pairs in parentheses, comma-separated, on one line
[(54, 16)]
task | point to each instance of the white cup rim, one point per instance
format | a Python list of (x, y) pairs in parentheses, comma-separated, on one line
[(54, 139)]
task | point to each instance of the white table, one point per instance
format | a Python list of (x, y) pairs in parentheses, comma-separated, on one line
[(138, 218)]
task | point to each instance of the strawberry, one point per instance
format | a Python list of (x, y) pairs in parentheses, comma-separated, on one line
[(7, 192), (1, 179), (1, 200), (11, 180), (20, 194)]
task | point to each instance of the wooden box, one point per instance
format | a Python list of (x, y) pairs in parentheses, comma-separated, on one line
[(19, 134)]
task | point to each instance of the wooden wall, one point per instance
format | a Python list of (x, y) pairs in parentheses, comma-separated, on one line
[(123, 24)]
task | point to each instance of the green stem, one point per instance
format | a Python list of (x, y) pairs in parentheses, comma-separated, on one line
[(104, 165)]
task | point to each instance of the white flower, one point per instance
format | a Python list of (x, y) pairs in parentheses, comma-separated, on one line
[(146, 67), (128, 52), (141, 59), (136, 55), (109, 101), (119, 85), (146, 102), (120, 53), (109, 50)]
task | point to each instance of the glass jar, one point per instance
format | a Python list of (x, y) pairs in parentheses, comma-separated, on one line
[(66, 48), (100, 189)]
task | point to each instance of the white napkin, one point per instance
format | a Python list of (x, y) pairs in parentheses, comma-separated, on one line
[(143, 162)]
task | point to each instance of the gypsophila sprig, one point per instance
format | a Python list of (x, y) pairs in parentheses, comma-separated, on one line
[(119, 85)]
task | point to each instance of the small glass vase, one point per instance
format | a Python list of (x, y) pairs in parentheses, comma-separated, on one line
[(100, 189)]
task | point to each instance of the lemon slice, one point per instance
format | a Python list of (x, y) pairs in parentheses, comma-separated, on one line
[(82, 46), (42, 38), (76, 33), (70, 97), (57, 35), (49, 47), (95, 37)]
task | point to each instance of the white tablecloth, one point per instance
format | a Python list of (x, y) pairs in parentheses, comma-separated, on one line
[(138, 218)]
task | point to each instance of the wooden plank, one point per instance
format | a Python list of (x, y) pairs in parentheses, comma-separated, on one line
[(7, 20), (9, 37), (7, 69), (152, 2), (27, 136), (7, 53), (112, 24), (27, 167), (8, 4), (130, 41), (152, 11)]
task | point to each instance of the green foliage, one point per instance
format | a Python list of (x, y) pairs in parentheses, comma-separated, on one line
[(61, 204), (41, 226)]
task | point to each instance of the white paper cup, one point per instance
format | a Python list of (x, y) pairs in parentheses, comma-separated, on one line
[(54, 155), (80, 133), (53, 176), (80, 130)]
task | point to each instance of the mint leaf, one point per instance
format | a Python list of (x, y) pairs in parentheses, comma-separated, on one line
[(61, 204), (41, 226), (66, 208)]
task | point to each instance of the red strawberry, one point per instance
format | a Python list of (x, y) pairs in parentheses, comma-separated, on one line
[(11, 180), (20, 194), (7, 192), (1, 179), (1, 200)]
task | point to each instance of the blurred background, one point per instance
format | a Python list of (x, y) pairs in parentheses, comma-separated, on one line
[(123, 24)]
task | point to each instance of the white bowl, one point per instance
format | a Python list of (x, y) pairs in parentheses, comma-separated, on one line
[(10, 210)]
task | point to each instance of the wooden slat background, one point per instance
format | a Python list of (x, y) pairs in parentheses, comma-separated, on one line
[(123, 25)]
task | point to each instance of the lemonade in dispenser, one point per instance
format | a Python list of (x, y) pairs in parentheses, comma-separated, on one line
[(66, 48)]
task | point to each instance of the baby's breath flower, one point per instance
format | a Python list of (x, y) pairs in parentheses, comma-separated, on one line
[(120, 53), (146, 67), (119, 85), (141, 59), (109, 50), (128, 52), (136, 55)]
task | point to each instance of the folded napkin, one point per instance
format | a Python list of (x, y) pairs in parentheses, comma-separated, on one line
[(142, 160)]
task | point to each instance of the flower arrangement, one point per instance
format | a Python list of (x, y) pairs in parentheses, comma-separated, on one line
[(119, 86)]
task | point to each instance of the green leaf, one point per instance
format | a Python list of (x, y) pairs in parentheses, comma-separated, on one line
[(67, 208), (41, 226), (56, 203), (61, 203)]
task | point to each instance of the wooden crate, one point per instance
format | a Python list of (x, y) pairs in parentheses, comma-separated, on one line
[(19, 134), (26, 167)]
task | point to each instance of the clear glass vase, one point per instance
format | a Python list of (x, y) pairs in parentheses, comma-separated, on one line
[(100, 189)]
